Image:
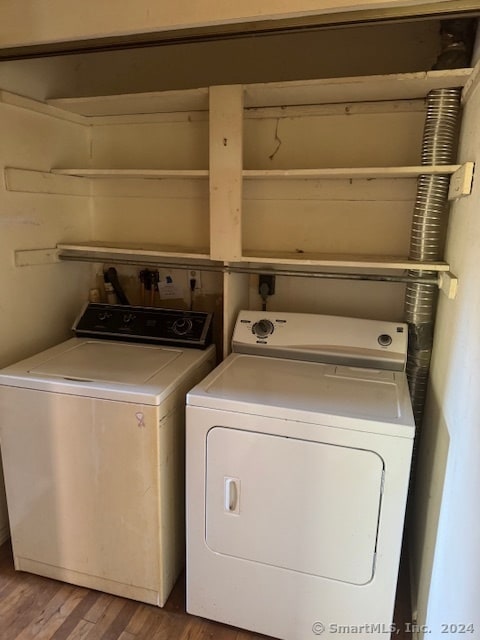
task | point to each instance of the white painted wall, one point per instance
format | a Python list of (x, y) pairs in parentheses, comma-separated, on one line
[(38, 303), (361, 217), (445, 523)]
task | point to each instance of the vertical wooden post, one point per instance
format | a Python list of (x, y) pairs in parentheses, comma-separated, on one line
[(226, 160), (235, 298)]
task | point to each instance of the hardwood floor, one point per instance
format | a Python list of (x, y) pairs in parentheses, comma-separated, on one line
[(36, 608)]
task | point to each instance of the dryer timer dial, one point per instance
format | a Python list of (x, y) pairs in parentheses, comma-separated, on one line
[(263, 328)]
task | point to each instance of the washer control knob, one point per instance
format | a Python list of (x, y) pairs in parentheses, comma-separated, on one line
[(384, 340), (182, 326), (263, 328)]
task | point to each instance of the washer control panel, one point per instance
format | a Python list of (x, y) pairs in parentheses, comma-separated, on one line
[(145, 324), (322, 338)]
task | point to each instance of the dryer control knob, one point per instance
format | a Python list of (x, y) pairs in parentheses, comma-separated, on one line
[(263, 328), (384, 340)]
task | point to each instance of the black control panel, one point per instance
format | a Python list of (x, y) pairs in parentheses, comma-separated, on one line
[(145, 324)]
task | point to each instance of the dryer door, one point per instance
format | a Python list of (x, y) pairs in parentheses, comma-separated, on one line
[(304, 506)]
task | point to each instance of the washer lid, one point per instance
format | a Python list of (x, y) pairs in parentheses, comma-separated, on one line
[(121, 371), (108, 362), (362, 399)]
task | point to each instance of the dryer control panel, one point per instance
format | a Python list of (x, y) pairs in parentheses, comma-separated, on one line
[(145, 324), (321, 338)]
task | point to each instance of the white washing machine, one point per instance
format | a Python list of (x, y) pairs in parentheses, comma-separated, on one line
[(298, 457), (92, 441)]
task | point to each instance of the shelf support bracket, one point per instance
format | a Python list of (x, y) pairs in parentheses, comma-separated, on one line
[(461, 181), (35, 257), (448, 284)]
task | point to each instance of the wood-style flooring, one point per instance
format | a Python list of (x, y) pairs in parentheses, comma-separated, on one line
[(36, 608)]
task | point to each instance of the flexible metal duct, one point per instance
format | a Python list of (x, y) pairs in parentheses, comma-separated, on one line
[(428, 237)]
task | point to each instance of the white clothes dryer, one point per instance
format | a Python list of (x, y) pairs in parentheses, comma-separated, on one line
[(298, 456), (92, 440)]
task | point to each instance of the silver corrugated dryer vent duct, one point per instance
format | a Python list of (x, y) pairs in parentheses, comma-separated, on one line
[(428, 236)]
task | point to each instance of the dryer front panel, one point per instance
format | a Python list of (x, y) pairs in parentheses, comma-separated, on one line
[(304, 506)]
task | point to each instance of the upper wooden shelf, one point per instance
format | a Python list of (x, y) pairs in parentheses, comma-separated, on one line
[(398, 86), (130, 251), (259, 174), (342, 261), (72, 182), (133, 173), (135, 103), (352, 173), (136, 252)]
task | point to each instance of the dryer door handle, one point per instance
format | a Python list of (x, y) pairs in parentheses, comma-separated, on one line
[(232, 495)]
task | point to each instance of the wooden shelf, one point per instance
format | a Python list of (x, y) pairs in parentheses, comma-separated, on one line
[(340, 261), (135, 103), (130, 251), (143, 252), (341, 173), (152, 174), (69, 181), (349, 173), (398, 86)]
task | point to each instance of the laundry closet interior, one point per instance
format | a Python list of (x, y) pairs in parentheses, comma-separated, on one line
[(294, 154)]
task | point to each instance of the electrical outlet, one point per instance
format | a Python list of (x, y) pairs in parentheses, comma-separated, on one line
[(266, 283), (196, 275)]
